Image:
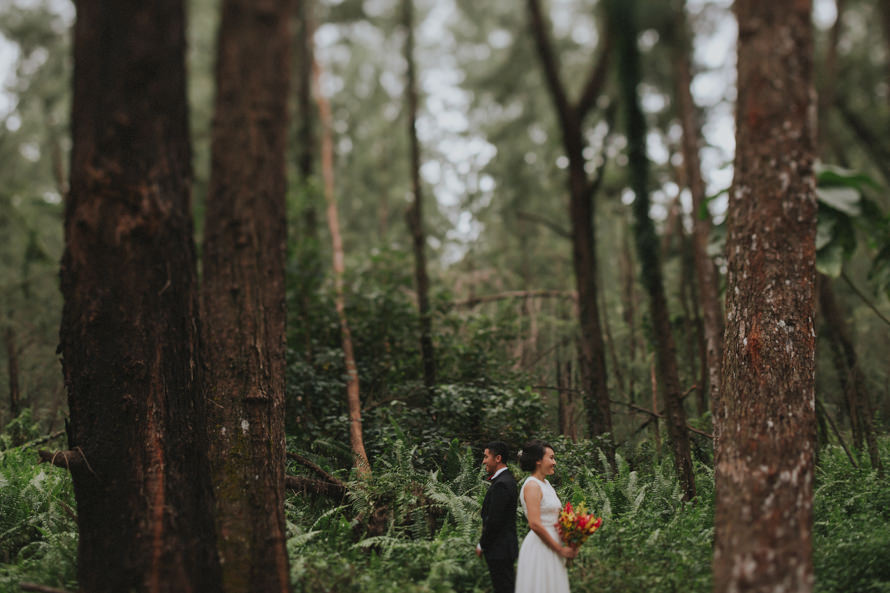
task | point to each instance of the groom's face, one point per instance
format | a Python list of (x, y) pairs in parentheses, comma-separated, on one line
[(490, 461)]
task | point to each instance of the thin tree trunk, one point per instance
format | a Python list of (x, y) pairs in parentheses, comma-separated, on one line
[(885, 13), (306, 141), (705, 270), (630, 310), (766, 425), (12, 359), (592, 358), (243, 294), (623, 19), (352, 387), (414, 215), (850, 373), (129, 334)]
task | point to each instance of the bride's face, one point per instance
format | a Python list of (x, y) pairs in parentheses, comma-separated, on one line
[(548, 462)]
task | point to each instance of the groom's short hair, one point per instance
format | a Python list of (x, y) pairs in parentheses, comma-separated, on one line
[(499, 448)]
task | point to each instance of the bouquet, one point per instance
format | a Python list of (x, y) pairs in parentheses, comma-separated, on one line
[(576, 525)]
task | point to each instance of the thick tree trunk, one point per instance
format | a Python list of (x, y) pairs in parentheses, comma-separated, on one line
[(414, 215), (623, 19), (766, 423), (12, 359), (243, 300), (353, 398), (592, 355), (706, 272), (850, 374), (129, 333)]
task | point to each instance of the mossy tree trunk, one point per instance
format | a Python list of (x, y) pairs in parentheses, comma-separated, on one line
[(414, 215), (622, 17), (705, 271), (129, 337), (766, 426), (243, 294)]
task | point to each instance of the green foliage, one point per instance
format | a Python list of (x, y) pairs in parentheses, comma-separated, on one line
[(850, 527), (38, 534), (476, 398)]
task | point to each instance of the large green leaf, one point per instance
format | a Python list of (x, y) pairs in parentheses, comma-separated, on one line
[(843, 199)]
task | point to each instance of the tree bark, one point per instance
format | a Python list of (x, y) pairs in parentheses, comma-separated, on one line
[(243, 294), (353, 398), (414, 215), (766, 423), (850, 374), (705, 271), (129, 332), (622, 13), (12, 359), (592, 355), (306, 141)]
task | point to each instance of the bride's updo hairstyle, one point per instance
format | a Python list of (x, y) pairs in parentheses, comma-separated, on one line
[(531, 454)]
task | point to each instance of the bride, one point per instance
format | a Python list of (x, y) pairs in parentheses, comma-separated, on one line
[(541, 565)]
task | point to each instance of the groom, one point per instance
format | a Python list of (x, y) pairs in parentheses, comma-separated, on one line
[(498, 542)]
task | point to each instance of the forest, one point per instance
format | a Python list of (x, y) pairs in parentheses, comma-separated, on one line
[(274, 273)]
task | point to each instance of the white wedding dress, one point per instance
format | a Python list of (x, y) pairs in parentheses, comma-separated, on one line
[(540, 569)]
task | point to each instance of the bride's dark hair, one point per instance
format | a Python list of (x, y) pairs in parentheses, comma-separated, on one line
[(532, 453)]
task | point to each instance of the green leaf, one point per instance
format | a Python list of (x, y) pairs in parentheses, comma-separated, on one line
[(842, 199), (832, 175)]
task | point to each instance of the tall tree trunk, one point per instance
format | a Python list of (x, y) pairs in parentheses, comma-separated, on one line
[(243, 294), (850, 373), (12, 359), (629, 293), (353, 398), (623, 19), (592, 358), (885, 14), (705, 270), (766, 427), (306, 141), (129, 333), (414, 215)]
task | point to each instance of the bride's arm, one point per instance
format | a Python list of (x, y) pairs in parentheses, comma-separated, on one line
[(532, 494)]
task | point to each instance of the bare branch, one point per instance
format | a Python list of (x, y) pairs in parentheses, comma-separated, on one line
[(556, 228), (516, 294), (551, 70), (598, 77)]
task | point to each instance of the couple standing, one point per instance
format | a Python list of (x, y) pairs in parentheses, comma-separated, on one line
[(541, 564)]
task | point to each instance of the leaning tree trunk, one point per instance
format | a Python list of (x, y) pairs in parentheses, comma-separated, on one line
[(849, 371), (414, 215), (243, 300), (129, 333), (12, 359), (705, 270), (767, 427), (592, 349), (353, 398), (622, 14)]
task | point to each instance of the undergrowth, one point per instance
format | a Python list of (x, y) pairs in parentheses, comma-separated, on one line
[(412, 529)]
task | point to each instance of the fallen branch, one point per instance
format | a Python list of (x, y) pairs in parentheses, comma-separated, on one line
[(516, 294), (43, 439), (316, 468), (313, 486), (655, 415), (40, 588)]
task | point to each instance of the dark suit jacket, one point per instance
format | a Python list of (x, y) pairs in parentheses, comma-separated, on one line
[(498, 539)]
